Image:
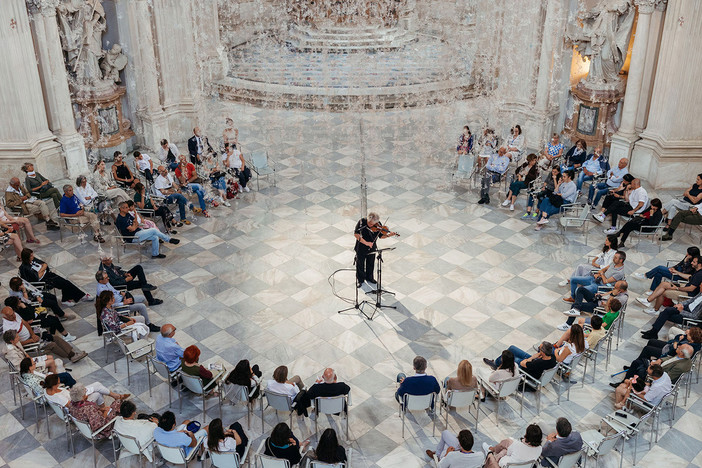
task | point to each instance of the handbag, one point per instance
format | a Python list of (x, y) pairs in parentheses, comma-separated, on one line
[(555, 199)]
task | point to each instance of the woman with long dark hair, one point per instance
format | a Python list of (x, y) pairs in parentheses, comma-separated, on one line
[(34, 270), (506, 369), (246, 376), (108, 318), (328, 449), (601, 260), (231, 440), (283, 444)]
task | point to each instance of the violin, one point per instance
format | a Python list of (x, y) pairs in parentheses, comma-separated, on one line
[(383, 230)]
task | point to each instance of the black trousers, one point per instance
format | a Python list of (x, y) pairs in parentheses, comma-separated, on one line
[(139, 282), (243, 176), (69, 291), (619, 208), (653, 348), (50, 302), (365, 264), (244, 440)]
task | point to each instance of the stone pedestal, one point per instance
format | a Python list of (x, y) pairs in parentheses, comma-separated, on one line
[(102, 123), (593, 112)]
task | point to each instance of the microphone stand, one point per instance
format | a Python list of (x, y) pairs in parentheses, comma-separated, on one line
[(358, 305), (379, 287)]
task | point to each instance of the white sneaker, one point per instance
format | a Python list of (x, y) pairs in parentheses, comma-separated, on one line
[(599, 217), (648, 293), (563, 327), (246, 189), (226, 203), (87, 298), (68, 303), (68, 338), (486, 448), (644, 302), (572, 313), (638, 275), (506, 202), (511, 207), (542, 221), (240, 189), (563, 283), (651, 311), (612, 230)]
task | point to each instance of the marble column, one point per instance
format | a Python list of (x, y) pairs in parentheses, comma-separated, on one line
[(654, 42), (623, 140), (24, 134), (55, 84), (154, 123), (669, 153)]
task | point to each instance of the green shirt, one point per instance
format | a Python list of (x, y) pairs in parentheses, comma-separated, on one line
[(608, 318)]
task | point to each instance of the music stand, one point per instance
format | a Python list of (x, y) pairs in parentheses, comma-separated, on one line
[(379, 287), (359, 305)]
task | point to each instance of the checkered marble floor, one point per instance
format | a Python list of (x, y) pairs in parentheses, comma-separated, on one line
[(252, 282)]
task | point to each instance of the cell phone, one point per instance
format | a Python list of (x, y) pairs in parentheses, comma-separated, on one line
[(634, 379), (621, 414)]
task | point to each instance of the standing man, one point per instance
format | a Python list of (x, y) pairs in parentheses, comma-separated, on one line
[(17, 196), (367, 233), (196, 146), (168, 154)]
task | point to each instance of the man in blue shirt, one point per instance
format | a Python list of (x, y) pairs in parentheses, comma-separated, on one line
[(494, 170), (168, 350), (418, 384), (128, 227), (71, 207), (591, 169), (135, 303), (171, 436), (614, 180)]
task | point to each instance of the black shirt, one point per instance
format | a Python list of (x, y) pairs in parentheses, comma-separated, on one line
[(122, 171), (289, 452), (695, 280), (367, 235), (123, 222), (537, 367), (694, 191)]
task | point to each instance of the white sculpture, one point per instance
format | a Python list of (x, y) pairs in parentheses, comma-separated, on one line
[(604, 39), (113, 62)]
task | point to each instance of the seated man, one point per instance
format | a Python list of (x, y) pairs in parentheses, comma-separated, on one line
[(652, 392), (690, 308), (673, 292), (71, 207), (327, 386), (586, 301), (135, 278), (189, 180), (168, 350), (495, 169), (128, 227), (691, 216), (659, 348), (171, 436), (28, 312), (457, 451), (16, 196), (133, 303), (418, 384), (615, 176), (167, 188), (141, 429), (145, 165), (168, 154), (675, 365), (635, 202), (690, 198), (610, 274), (591, 169), (682, 270), (562, 442), (534, 365)]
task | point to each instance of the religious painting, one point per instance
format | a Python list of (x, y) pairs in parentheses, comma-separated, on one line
[(587, 119), (108, 121)]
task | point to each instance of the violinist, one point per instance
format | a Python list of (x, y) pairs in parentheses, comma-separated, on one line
[(367, 232)]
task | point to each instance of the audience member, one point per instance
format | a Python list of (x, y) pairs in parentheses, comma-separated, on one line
[(682, 270), (498, 373), (515, 144), (689, 308), (17, 223), (328, 449), (562, 442), (418, 384), (691, 217), (29, 374), (191, 366), (553, 151), (609, 274), (29, 294), (672, 291), (495, 169), (575, 157), (616, 194), (565, 193), (168, 154), (105, 186), (140, 429), (17, 197), (645, 223), (198, 146), (130, 230), (8, 236), (168, 350), (232, 440), (39, 186), (189, 180), (523, 176), (143, 202), (230, 134), (591, 168), (246, 376), (71, 207), (121, 172), (612, 307), (167, 434), (652, 392), (456, 451), (690, 198), (657, 348), (534, 365), (599, 261), (586, 301), (326, 386), (550, 181), (465, 142), (292, 387), (29, 313), (135, 304), (233, 159), (165, 187), (88, 411), (615, 176), (635, 201), (145, 165), (282, 443), (95, 392), (464, 380), (571, 345), (34, 270), (91, 201), (675, 365), (14, 352), (111, 321), (515, 451), (134, 278), (596, 333)]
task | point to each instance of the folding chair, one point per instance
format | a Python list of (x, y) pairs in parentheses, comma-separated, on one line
[(508, 387), (176, 455), (259, 163), (418, 403), (129, 241), (72, 224), (331, 405), (240, 393), (538, 384), (229, 459), (575, 215), (63, 415), (131, 445), (459, 399), (279, 402), (195, 385), (162, 369), (569, 460), (85, 431), (134, 351), (597, 445), (267, 461)]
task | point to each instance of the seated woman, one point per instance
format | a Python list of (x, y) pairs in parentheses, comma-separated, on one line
[(218, 178), (283, 444), (34, 270), (576, 156), (515, 144), (112, 321), (29, 313), (570, 345), (465, 142), (105, 186), (328, 449), (246, 376), (523, 176), (681, 271), (143, 202), (142, 221), (550, 182), (292, 387), (506, 369), (35, 380), (95, 392), (9, 236), (191, 366), (15, 354), (551, 152), (600, 261), (515, 451), (121, 172), (232, 440), (28, 294), (88, 411), (645, 222), (92, 201), (566, 192), (19, 222)]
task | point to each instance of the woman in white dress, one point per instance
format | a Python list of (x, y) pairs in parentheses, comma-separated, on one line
[(515, 144), (105, 186)]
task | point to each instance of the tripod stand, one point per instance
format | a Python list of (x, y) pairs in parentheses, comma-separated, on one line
[(379, 287), (359, 305)]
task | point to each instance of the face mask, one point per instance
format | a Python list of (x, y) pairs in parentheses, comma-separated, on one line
[(31, 174)]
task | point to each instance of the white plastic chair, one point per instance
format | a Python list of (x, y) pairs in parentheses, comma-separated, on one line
[(162, 369), (176, 455), (508, 387), (260, 165), (229, 459), (418, 403), (331, 405), (195, 385), (131, 445), (569, 460), (279, 402), (459, 399), (538, 384), (84, 430), (241, 394), (597, 445), (134, 351), (267, 461)]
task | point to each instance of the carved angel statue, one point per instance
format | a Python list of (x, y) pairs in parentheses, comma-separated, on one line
[(604, 39), (82, 23), (113, 62)]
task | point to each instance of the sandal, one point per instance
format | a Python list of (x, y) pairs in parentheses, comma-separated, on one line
[(206, 214), (33, 241)]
